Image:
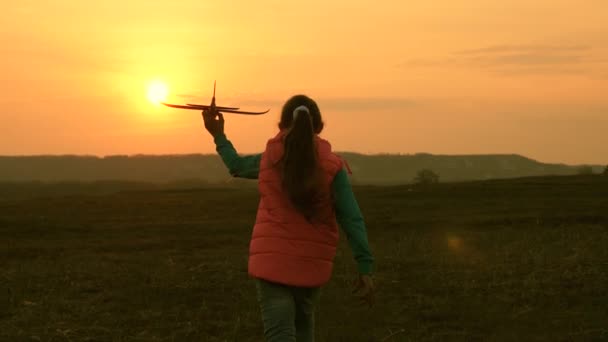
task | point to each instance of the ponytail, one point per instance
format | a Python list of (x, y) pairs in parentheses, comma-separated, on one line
[(301, 172)]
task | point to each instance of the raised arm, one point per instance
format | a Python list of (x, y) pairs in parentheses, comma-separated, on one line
[(238, 166)]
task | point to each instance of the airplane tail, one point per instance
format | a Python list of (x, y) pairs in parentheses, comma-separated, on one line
[(213, 98)]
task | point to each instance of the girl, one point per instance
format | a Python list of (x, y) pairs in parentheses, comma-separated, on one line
[(304, 195)]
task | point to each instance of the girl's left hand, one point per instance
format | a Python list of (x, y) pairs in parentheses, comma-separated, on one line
[(364, 284)]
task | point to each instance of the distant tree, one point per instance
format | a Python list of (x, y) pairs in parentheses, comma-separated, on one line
[(585, 170), (426, 176), (606, 171)]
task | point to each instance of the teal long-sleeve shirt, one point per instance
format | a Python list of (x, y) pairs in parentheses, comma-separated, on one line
[(348, 213)]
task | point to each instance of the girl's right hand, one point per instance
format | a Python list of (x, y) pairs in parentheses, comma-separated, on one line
[(214, 126)]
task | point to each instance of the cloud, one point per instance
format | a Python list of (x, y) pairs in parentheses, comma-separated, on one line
[(521, 59), (527, 59), (366, 103), (524, 48), (362, 103), (187, 96), (602, 76), (542, 70), (525, 55)]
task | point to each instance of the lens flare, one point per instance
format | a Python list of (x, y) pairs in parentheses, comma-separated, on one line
[(455, 243)]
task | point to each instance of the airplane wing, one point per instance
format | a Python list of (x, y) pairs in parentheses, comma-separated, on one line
[(183, 107), (197, 106), (242, 112), (207, 106), (219, 109)]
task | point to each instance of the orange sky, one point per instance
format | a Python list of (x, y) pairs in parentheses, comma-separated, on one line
[(443, 77)]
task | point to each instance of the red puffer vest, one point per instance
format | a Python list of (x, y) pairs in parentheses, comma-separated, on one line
[(285, 248)]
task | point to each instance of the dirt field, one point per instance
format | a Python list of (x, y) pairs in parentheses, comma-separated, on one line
[(509, 260)]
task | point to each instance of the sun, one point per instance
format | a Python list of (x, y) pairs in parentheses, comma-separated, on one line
[(157, 92)]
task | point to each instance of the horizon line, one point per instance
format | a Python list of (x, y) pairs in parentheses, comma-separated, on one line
[(379, 154)]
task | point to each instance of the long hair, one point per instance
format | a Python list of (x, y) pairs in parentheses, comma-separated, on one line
[(301, 174)]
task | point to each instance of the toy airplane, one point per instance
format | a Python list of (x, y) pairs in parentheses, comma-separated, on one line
[(234, 110)]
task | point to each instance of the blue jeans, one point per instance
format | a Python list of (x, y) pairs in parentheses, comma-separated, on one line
[(288, 312)]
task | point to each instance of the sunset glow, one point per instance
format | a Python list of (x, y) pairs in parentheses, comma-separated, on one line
[(157, 92), (444, 77)]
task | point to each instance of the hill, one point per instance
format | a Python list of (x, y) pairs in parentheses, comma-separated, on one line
[(382, 169)]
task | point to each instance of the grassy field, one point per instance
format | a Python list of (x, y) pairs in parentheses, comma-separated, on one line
[(508, 260)]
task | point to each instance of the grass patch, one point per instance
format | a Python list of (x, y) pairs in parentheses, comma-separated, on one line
[(522, 259)]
